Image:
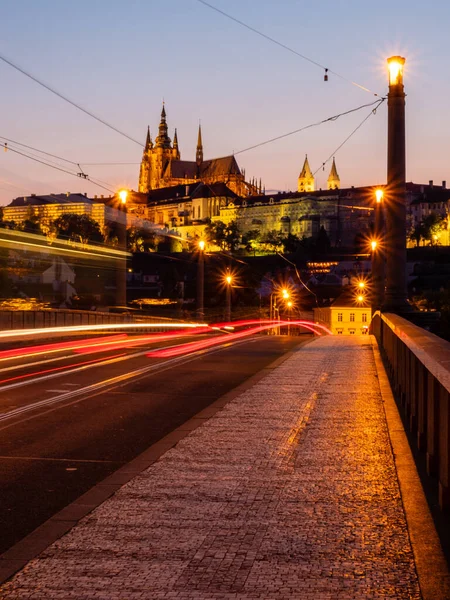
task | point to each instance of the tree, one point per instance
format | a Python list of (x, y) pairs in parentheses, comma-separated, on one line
[(140, 240), (251, 240), (272, 240), (227, 237), (323, 241), (417, 234), (290, 243), (79, 228)]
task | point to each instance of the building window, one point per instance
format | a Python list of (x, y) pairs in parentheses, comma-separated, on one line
[(352, 317), (340, 317), (364, 317), (352, 331), (339, 331)]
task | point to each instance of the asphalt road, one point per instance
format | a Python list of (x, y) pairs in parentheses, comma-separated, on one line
[(65, 430)]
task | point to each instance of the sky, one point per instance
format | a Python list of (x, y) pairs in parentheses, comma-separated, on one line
[(120, 59)]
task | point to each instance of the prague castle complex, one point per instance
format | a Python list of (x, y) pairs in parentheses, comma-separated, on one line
[(181, 197)]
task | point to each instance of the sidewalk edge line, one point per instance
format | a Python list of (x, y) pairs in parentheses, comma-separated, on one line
[(32, 545), (431, 565)]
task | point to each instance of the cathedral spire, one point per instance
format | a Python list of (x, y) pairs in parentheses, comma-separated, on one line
[(199, 153), (334, 181), (148, 141), (306, 178), (175, 140), (163, 140)]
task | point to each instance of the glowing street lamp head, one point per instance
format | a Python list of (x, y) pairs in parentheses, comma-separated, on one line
[(229, 279), (379, 195), (289, 304), (395, 66), (285, 293), (373, 244), (123, 195), (361, 285), (360, 298), (201, 245)]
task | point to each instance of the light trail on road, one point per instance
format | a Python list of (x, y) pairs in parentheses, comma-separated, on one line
[(107, 384)]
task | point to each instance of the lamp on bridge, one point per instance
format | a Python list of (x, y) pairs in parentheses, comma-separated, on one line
[(200, 280), (121, 270), (378, 263), (228, 283), (396, 296)]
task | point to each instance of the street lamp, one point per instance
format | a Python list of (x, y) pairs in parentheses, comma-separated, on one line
[(395, 241), (121, 270), (289, 304), (378, 266), (200, 279), (228, 281)]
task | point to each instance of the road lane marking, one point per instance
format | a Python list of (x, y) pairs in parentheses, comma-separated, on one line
[(118, 381)]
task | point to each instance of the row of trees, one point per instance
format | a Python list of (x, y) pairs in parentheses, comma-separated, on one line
[(228, 237), (428, 230), (84, 230)]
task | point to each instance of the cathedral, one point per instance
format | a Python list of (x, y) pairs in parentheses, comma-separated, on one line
[(162, 167)]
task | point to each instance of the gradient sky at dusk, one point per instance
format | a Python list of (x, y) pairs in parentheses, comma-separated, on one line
[(120, 59)]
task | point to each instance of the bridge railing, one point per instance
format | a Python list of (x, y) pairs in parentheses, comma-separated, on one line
[(37, 319), (418, 363)]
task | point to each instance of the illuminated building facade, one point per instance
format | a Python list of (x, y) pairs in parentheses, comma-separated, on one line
[(345, 316), (47, 208), (162, 166)]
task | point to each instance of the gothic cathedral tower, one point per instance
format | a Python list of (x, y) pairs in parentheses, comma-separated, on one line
[(156, 156), (334, 182), (306, 178)]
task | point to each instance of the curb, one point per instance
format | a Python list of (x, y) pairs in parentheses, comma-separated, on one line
[(16, 557), (431, 565)]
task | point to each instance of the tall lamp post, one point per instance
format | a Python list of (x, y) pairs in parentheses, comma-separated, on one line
[(228, 281), (200, 280), (396, 295), (378, 266), (121, 269)]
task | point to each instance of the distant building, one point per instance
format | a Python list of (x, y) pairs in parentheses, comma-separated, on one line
[(345, 316), (47, 208), (426, 200), (162, 167)]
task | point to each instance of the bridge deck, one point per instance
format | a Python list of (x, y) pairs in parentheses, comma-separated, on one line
[(290, 491)]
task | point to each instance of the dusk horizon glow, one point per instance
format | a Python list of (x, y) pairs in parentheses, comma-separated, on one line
[(120, 62)]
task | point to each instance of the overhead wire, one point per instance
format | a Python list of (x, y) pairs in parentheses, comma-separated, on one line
[(316, 124), (38, 150), (366, 118), (66, 99), (281, 45), (47, 164)]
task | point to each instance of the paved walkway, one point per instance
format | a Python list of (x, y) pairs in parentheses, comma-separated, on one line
[(289, 492)]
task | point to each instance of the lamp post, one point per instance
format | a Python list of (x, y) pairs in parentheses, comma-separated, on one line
[(200, 280), (228, 281), (121, 269), (289, 305), (396, 294), (378, 266)]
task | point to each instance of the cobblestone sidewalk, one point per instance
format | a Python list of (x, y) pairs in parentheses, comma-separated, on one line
[(289, 492)]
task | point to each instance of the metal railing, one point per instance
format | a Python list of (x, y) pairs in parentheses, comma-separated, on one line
[(418, 363), (59, 317)]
